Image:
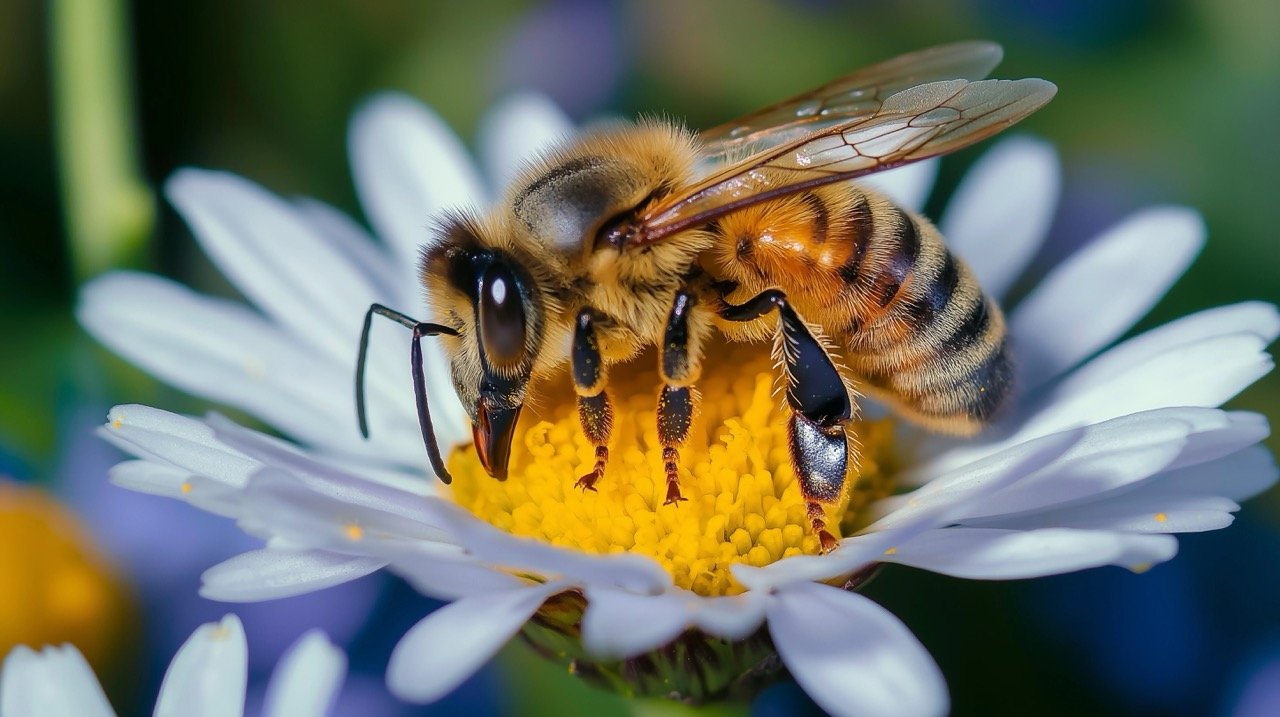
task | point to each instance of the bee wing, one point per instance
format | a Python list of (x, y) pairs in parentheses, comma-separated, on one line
[(921, 122), (860, 94)]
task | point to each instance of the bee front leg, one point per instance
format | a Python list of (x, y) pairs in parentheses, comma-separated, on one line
[(820, 404), (595, 412), (680, 366)]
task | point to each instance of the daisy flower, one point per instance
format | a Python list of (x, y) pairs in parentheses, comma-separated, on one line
[(1105, 454), (207, 677)]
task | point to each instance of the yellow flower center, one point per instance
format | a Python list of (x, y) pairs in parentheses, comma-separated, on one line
[(54, 586), (744, 504)]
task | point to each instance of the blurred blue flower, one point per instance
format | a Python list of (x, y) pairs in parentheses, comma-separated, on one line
[(1257, 690), (576, 51)]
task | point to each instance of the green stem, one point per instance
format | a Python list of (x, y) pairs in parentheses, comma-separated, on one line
[(109, 208)]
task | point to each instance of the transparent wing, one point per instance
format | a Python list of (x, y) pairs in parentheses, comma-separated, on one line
[(921, 122), (860, 94)]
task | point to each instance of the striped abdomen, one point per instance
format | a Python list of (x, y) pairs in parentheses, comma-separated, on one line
[(913, 324)]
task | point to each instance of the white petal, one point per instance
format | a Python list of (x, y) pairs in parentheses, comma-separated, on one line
[(1111, 454), (939, 503), (620, 624), (1251, 317), (517, 129), (852, 656), (990, 554), (357, 247), (262, 244), (1191, 499), (147, 477), (214, 497), (729, 617), (964, 491), (450, 644), (176, 441), (270, 573), (328, 480), (1238, 477), (907, 186), (159, 420), (853, 553), (637, 573), (1002, 210), (445, 577), (1185, 362), (56, 682), (1138, 512), (1094, 296), (279, 504), (207, 677), (307, 679), (1206, 373), (409, 167), (223, 351)]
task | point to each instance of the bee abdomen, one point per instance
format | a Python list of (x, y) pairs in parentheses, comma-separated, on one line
[(939, 348)]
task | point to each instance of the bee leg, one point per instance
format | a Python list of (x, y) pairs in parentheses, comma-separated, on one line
[(820, 404), (595, 412), (679, 368)]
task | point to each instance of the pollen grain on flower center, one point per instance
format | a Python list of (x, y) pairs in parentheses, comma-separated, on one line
[(743, 505)]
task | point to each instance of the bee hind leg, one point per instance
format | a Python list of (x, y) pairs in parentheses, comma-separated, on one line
[(595, 411), (680, 366), (820, 404)]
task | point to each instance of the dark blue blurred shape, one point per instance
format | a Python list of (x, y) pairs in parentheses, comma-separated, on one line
[(784, 699), (1169, 640)]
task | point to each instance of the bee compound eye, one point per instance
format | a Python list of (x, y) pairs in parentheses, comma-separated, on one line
[(502, 318)]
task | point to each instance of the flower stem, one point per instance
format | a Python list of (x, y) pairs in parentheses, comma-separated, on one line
[(109, 208)]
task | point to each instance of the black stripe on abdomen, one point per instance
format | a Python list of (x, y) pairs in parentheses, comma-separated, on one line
[(925, 310), (901, 262), (974, 325), (864, 229)]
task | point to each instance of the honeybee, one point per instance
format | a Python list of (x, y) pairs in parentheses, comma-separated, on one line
[(648, 235)]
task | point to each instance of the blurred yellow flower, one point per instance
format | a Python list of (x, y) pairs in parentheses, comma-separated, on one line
[(55, 586)]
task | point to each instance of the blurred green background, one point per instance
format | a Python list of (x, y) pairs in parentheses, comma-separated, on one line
[(1159, 102)]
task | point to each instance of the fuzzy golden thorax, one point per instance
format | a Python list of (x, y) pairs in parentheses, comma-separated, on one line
[(544, 232)]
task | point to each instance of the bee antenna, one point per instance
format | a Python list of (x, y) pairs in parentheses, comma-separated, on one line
[(420, 329)]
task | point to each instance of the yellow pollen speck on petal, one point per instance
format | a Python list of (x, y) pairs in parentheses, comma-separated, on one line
[(891, 551), (743, 503), (255, 369), (117, 423), (353, 531), (1161, 517), (186, 487), (1140, 567)]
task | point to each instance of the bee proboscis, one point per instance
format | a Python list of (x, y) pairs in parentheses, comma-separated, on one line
[(647, 235)]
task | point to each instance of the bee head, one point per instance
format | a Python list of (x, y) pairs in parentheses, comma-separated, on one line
[(489, 296)]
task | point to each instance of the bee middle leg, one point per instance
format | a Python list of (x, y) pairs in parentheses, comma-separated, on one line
[(595, 411), (820, 406)]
